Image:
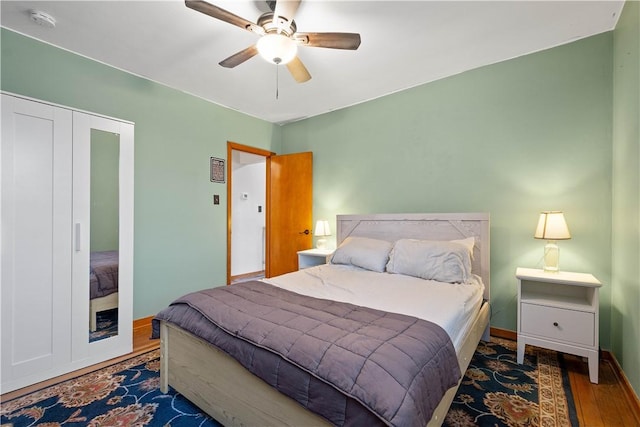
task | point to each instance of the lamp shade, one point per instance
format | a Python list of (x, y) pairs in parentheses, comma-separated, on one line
[(322, 228), (552, 226), (277, 48)]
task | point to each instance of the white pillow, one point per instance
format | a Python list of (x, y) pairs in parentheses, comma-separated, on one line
[(370, 254), (443, 261), (469, 243)]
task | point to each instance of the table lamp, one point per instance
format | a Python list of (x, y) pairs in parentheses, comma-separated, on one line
[(552, 227), (322, 230)]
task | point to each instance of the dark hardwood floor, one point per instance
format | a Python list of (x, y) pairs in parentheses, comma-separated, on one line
[(142, 341), (606, 404)]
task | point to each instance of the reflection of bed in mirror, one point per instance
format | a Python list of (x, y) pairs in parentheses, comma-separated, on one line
[(103, 284)]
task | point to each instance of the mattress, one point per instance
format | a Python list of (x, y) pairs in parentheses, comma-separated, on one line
[(452, 306)]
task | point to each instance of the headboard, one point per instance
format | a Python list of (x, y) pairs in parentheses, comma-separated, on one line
[(425, 226)]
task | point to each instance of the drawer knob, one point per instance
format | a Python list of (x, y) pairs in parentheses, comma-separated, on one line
[(555, 323)]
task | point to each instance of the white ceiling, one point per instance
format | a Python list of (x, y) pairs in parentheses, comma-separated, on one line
[(404, 44)]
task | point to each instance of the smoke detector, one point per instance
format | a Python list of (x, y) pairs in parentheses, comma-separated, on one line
[(42, 18)]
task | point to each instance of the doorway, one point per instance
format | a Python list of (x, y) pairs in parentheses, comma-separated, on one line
[(246, 212), (265, 233)]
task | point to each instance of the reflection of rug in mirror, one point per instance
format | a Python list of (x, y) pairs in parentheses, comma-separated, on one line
[(106, 325), (496, 391)]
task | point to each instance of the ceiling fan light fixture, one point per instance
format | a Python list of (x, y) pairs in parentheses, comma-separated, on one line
[(277, 48)]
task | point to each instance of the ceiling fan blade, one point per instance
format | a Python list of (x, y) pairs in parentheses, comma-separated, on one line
[(223, 15), (298, 70), (286, 9), (349, 41), (240, 57)]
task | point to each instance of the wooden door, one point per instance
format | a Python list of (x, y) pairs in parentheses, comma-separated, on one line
[(289, 210)]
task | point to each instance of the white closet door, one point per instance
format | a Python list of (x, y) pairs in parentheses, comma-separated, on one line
[(36, 203), (45, 171), (121, 343)]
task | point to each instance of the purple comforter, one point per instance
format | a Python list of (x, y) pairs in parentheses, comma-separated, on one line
[(103, 274), (333, 358)]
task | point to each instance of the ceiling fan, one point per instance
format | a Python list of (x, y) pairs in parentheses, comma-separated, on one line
[(279, 38)]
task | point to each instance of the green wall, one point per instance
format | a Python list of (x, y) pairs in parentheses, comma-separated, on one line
[(512, 139), (625, 323), (180, 236)]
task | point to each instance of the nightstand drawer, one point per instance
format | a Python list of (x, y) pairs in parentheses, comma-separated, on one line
[(558, 324)]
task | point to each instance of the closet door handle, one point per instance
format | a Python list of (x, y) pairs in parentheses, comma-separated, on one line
[(78, 239)]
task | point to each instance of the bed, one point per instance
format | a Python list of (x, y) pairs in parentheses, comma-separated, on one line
[(233, 395), (103, 284)]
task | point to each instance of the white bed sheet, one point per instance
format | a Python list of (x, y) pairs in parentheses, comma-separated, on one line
[(452, 306)]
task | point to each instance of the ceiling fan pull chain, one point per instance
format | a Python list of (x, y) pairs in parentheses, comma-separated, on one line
[(277, 81)]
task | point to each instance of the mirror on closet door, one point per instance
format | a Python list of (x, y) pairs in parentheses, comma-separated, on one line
[(104, 242), (103, 228)]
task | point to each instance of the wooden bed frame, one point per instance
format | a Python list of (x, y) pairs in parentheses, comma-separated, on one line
[(233, 396), (99, 304)]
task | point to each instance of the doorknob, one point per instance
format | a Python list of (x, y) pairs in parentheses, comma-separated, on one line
[(305, 232)]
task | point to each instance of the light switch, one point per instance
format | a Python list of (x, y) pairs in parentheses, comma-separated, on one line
[(216, 199)]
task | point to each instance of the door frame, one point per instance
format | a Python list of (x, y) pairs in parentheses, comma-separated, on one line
[(231, 146)]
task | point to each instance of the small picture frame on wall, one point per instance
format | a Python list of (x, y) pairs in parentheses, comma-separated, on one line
[(217, 170)]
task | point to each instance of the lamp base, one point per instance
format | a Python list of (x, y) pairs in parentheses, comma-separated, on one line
[(321, 243), (551, 257)]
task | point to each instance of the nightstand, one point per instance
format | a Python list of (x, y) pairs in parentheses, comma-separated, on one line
[(313, 257), (559, 311)]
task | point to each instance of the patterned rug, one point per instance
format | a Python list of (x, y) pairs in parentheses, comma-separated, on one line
[(125, 394), (106, 325), (496, 391)]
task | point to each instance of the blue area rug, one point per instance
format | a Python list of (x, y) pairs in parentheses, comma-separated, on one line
[(124, 394), (495, 392)]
